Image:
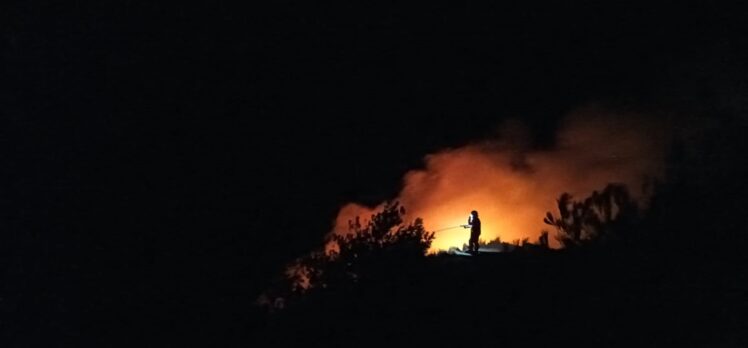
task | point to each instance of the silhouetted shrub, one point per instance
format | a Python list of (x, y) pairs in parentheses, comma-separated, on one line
[(381, 245), (602, 217)]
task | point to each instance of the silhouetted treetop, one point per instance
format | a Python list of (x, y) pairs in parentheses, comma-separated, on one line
[(381, 242), (601, 217)]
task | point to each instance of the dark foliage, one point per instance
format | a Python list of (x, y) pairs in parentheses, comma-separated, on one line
[(627, 277), (600, 218), (383, 244)]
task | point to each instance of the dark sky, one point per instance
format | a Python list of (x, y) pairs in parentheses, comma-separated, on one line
[(172, 146)]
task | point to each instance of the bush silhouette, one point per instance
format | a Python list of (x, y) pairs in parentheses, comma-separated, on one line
[(381, 245), (600, 218)]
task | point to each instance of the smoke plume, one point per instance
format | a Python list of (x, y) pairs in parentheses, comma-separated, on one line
[(512, 185)]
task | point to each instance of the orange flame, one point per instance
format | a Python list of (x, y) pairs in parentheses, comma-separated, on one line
[(512, 188)]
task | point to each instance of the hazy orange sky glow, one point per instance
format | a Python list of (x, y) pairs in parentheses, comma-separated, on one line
[(512, 188)]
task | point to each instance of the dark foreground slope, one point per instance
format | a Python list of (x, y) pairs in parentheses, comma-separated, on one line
[(604, 297)]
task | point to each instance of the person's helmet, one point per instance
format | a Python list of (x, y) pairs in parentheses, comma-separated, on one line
[(474, 213)]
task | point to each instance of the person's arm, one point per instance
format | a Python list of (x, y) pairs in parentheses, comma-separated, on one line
[(469, 224)]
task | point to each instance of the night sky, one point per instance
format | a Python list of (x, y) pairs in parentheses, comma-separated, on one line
[(159, 156)]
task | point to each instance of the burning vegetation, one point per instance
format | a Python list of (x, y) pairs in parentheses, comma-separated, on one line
[(513, 184)]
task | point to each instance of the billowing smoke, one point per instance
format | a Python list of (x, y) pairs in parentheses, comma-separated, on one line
[(512, 186)]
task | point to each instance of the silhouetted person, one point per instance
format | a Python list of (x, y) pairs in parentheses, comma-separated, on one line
[(474, 224)]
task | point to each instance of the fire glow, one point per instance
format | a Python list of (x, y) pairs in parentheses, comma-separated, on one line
[(512, 187)]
